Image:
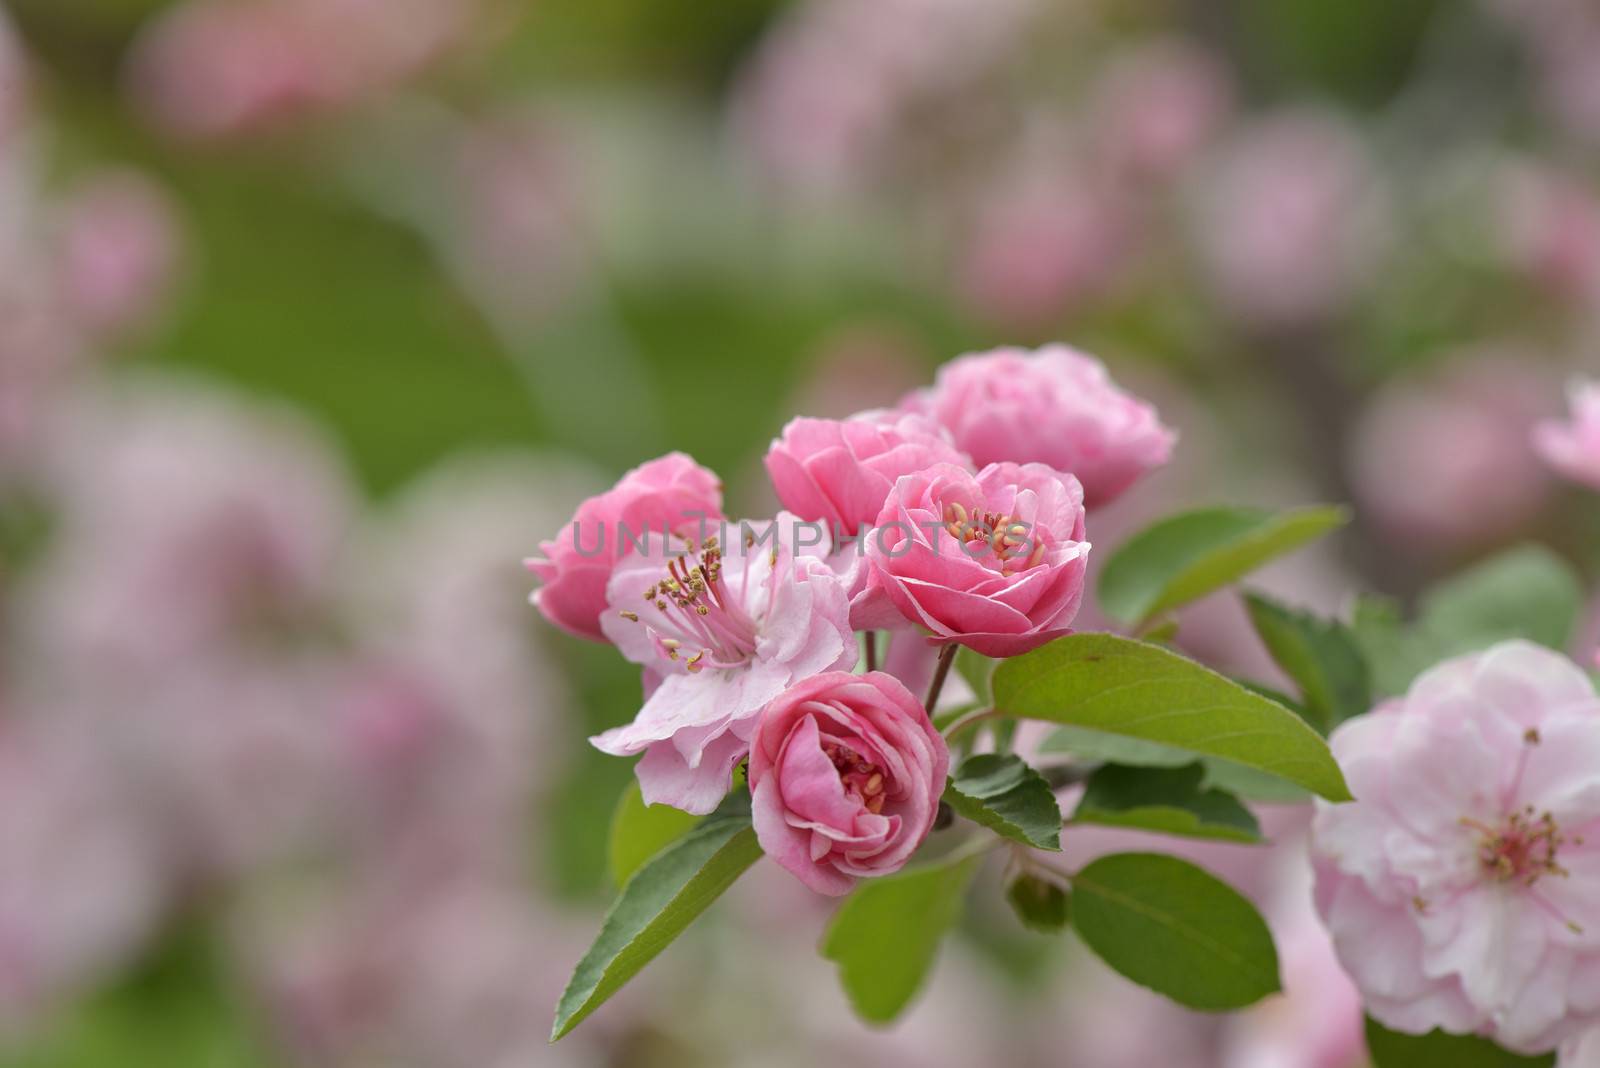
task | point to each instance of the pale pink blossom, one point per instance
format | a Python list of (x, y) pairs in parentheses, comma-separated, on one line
[(1287, 183), (671, 494), (1053, 406), (839, 472), (1572, 446), (721, 628), (1460, 886), (1580, 1052), (993, 561), (846, 772)]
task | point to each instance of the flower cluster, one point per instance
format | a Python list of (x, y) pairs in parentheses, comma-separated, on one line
[(956, 520)]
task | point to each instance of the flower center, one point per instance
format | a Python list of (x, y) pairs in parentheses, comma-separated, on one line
[(1522, 849), (860, 776), (1011, 542), (698, 619)]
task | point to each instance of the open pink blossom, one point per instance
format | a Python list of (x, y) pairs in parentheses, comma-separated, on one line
[(840, 471), (1462, 886), (672, 494), (1054, 406), (721, 628), (1580, 1052), (845, 776), (1573, 447), (993, 561)]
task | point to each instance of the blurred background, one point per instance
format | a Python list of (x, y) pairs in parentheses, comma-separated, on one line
[(317, 315)]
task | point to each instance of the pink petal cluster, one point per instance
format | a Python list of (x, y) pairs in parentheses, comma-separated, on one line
[(1572, 447), (721, 627), (672, 494), (993, 561), (1462, 886), (1054, 406), (845, 775), (840, 471)]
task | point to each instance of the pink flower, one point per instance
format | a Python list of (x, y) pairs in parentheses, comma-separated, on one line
[(1462, 886), (672, 493), (721, 628), (840, 472), (845, 775), (1573, 447), (1054, 406), (119, 252), (993, 561)]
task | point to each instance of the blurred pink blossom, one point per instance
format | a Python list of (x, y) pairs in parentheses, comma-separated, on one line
[(1042, 244), (1572, 446), (213, 68), (1282, 185), (82, 880), (1155, 106), (119, 252), (1549, 228), (820, 105), (1445, 458), (191, 521)]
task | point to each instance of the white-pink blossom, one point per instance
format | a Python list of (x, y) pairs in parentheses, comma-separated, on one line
[(721, 627), (1462, 886)]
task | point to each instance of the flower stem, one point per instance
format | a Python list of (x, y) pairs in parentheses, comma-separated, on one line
[(947, 656), (871, 639)]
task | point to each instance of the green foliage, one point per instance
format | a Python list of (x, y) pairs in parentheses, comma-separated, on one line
[(1169, 926), (1007, 796), (1166, 801), (640, 831), (657, 905), (1528, 593), (1321, 655), (886, 935), (1040, 904), (1146, 693), (1181, 559), (1389, 1049)]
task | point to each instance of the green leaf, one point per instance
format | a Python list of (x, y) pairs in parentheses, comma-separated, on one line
[(1166, 801), (1005, 795), (1181, 559), (1320, 655), (1527, 592), (886, 935), (1236, 779), (1040, 904), (1390, 1049), (1144, 692), (640, 831), (1176, 929), (658, 904)]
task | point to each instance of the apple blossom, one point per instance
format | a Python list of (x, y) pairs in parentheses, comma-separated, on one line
[(994, 561), (1054, 406), (720, 629), (671, 493), (845, 777), (1460, 885)]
